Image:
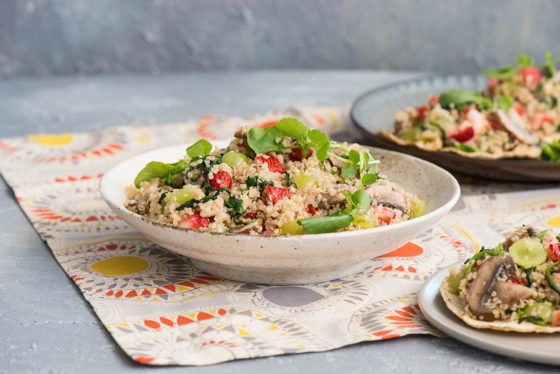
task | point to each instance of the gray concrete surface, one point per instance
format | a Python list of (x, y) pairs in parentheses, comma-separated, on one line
[(64, 37), (45, 324)]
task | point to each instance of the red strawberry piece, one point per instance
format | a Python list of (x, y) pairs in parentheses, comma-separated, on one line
[(422, 113), (384, 215), (494, 125), (492, 83), (531, 76), (273, 164), (251, 215), (311, 210), (520, 109), (221, 179), (196, 221), (276, 194), (555, 250), (296, 154), (463, 135), (516, 280)]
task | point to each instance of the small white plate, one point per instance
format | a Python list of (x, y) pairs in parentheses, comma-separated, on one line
[(543, 348)]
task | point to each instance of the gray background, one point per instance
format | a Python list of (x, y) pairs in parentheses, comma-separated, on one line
[(50, 37)]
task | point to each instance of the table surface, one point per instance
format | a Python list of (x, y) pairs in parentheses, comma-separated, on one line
[(45, 323)]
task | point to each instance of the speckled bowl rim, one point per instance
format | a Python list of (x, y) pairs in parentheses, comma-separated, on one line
[(104, 187)]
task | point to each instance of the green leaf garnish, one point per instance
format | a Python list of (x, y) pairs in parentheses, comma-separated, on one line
[(320, 143), (525, 60), (368, 179), (199, 149), (348, 171), (550, 152), (466, 148), (543, 233), (361, 199), (501, 73), (156, 169), (265, 140), (505, 103), (461, 98)]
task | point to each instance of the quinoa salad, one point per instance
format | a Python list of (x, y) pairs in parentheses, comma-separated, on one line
[(514, 286), (284, 179), (516, 116)]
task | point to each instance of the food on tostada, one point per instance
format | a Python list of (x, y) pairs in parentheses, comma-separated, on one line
[(277, 180), (514, 286), (517, 116)]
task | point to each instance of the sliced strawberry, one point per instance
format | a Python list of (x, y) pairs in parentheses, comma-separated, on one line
[(221, 179), (296, 154), (423, 112), (556, 318), (384, 215), (516, 280), (251, 215), (433, 101), (555, 251), (531, 76), (273, 164), (520, 109), (311, 210), (266, 124), (463, 135), (492, 84), (195, 221), (276, 194), (494, 125)]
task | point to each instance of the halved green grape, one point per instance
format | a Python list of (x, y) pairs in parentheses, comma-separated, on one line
[(540, 309), (233, 158), (364, 220), (188, 192), (411, 134), (527, 252), (301, 179), (454, 279), (418, 209), (292, 228)]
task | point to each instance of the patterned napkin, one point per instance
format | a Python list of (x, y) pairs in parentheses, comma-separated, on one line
[(163, 311)]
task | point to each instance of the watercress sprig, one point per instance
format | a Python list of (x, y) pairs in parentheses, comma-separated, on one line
[(269, 139)]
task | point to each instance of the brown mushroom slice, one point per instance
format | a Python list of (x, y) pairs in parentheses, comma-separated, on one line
[(331, 199), (512, 294), (139, 206), (514, 124), (480, 289), (386, 195), (243, 229)]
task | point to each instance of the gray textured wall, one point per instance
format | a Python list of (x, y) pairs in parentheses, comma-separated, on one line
[(46, 37)]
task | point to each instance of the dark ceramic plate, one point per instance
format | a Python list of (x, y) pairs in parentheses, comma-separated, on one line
[(375, 110)]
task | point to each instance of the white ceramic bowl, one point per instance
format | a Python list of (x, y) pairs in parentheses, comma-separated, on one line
[(289, 259)]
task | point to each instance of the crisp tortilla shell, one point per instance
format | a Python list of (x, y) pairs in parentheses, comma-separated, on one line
[(522, 152), (457, 306)]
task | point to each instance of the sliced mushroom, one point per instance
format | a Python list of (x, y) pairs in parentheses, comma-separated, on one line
[(520, 233), (329, 200), (139, 206), (480, 289), (241, 229), (511, 294), (384, 194), (241, 134), (514, 124)]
